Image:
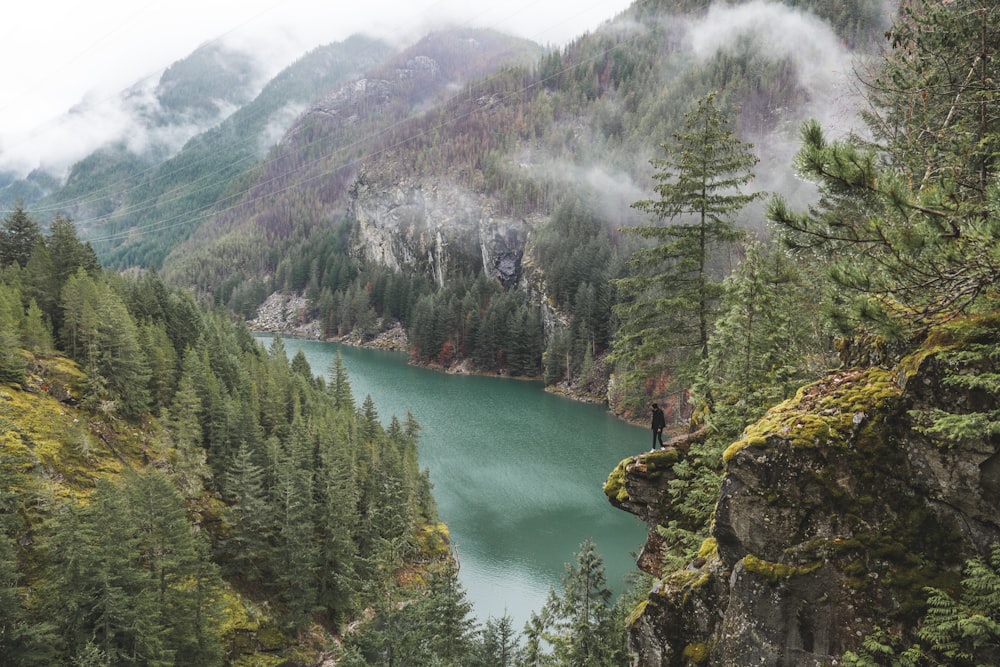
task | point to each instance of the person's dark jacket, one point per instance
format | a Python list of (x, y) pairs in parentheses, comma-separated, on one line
[(658, 419)]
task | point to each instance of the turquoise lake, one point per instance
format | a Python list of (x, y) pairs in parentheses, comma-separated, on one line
[(517, 472)]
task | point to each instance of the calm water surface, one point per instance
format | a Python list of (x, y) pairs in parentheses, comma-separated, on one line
[(517, 472)]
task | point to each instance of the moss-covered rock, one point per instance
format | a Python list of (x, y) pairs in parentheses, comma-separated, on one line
[(836, 411), (836, 509)]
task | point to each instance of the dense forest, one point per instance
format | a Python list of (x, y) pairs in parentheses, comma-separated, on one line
[(175, 494), (608, 99), (712, 297)]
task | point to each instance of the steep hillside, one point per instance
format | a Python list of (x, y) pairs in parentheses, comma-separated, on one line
[(302, 186), (224, 506), (137, 205), (836, 510), (520, 140)]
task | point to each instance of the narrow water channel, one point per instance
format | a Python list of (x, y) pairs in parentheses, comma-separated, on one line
[(517, 472)]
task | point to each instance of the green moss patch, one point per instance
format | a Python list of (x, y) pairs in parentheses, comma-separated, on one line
[(661, 460), (834, 411), (634, 615), (614, 487), (774, 573), (696, 654)]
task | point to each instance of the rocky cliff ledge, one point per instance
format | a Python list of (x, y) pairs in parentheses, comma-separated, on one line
[(836, 509)]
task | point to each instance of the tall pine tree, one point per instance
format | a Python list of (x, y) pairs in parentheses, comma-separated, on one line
[(670, 298)]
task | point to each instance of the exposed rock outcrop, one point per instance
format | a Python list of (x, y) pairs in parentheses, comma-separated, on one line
[(835, 511), (285, 314), (438, 228)]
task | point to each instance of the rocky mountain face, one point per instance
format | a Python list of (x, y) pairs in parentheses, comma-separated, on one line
[(439, 228), (836, 509)]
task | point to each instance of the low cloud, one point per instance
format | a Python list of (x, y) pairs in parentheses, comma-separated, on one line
[(824, 65), (825, 70), (99, 121)]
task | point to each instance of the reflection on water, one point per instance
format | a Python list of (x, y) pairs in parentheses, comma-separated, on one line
[(517, 472)]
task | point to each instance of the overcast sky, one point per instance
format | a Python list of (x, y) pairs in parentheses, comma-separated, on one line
[(56, 52)]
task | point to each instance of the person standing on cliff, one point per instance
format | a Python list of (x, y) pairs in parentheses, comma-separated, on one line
[(659, 422)]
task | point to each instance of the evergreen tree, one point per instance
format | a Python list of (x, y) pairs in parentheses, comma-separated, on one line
[(340, 384), (762, 343), (35, 333), (104, 338), (12, 365), (18, 237), (246, 546), (438, 626), (498, 643), (669, 302), (162, 358), (68, 252), (126, 576), (187, 583), (907, 226), (579, 624), (188, 460), (25, 639), (336, 519), (38, 280), (291, 511)]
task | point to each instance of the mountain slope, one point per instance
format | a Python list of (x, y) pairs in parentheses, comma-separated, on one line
[(587, 118), (302, 185), (139, 127), (116, 191)]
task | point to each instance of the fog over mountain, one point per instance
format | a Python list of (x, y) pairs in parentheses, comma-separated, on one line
[(92, 79), (825, 68)]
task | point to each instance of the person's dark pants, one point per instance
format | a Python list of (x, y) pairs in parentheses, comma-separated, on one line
[(658, 435)]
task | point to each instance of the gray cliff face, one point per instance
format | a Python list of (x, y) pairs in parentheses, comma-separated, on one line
[(833, 514), (438, 228)]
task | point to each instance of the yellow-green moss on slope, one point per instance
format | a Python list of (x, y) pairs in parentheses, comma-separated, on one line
[(775, 572), (652, 463), (826, 412), (614, 487), (41, 438)]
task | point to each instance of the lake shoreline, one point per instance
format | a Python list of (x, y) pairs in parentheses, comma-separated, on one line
[(517, 472), (285, 315)]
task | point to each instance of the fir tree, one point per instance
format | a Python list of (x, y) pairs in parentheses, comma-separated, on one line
[(18, 237), (340, 384), (498, 643), (12, 365), (579, 624), (907, 226), (669, 302), (763, 343)]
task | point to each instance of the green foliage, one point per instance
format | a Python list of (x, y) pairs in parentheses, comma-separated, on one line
[(104, 339), (257, 472), (580, 624), (954, 631), (498, 331), (693, 494), (12, 364), (907, 227), (764, 344), (671, 299), (970, 361), (128, 574), (18, 237), (499, 643)]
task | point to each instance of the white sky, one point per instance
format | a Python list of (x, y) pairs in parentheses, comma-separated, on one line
[(53, 53)]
